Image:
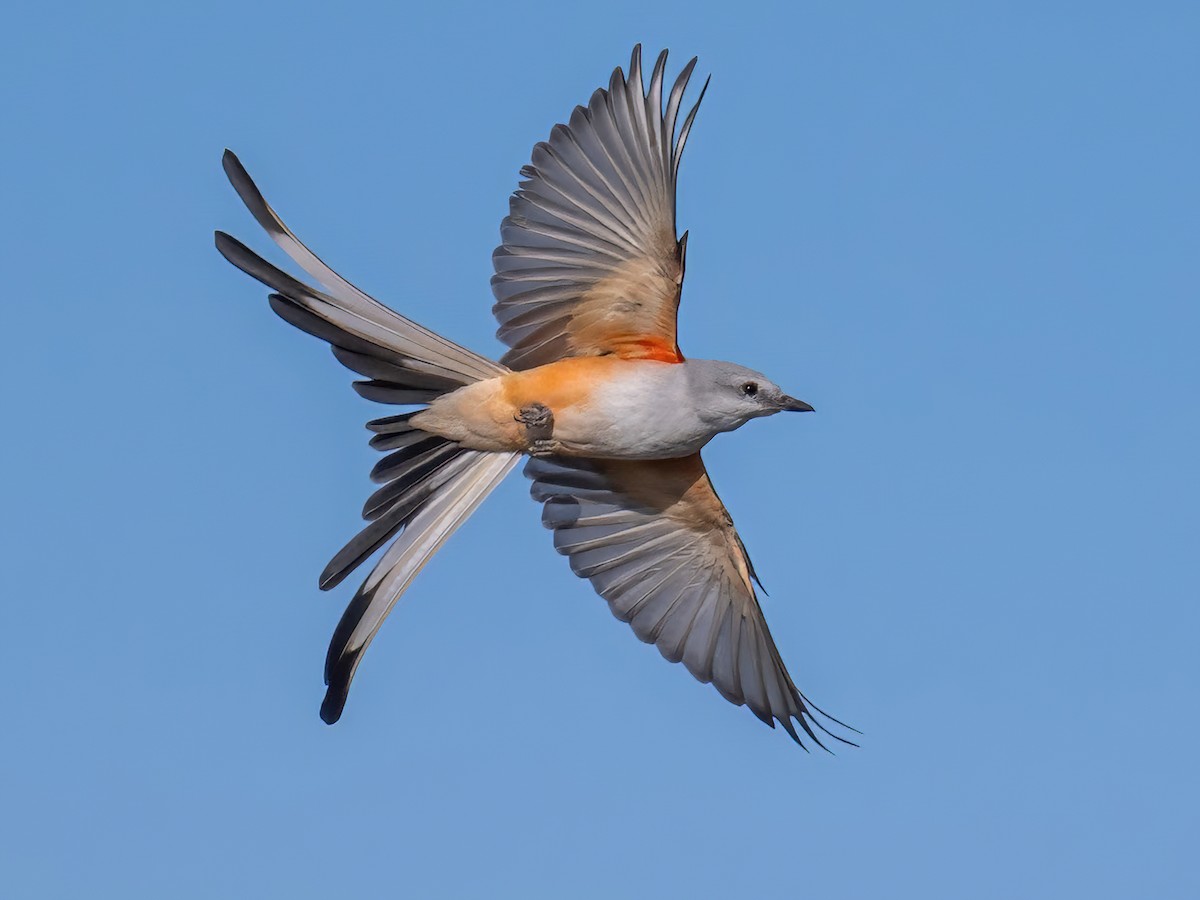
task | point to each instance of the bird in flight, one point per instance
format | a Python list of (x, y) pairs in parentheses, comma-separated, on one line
[(593, 393)]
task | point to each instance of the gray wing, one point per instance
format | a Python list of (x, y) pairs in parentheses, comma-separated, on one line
[(657, 543), (589, 262)]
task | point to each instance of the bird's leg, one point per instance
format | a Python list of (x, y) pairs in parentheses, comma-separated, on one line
[(539, 426)]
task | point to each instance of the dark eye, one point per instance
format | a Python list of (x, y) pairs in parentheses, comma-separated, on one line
[(750, 388)]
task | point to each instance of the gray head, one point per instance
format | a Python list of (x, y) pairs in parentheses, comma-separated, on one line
[(729, 395)]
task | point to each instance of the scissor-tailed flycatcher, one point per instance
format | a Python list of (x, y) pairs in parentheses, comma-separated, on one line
[(593, 390)]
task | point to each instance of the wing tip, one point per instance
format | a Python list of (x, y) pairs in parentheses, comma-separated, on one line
[(810, 714), (792, 733)]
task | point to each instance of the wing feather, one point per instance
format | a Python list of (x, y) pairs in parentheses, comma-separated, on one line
[(589, 250), (659, 546)]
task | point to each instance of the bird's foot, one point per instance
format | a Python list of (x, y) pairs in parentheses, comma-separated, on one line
[(544, 448), (538, 420)]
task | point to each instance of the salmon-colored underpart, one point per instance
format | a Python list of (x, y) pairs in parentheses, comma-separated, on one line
[(567, 382)]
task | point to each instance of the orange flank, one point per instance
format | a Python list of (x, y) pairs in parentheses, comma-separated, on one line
[(558, 385), (482, 416)]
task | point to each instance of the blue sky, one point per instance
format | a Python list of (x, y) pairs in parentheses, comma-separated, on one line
[(969, 234)]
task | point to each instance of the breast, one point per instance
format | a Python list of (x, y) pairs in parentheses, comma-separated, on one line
[(641, 410)]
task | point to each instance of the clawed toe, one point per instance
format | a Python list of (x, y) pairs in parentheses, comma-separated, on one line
[(538, 420)]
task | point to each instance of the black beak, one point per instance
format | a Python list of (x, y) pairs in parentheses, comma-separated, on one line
[(791, 404)]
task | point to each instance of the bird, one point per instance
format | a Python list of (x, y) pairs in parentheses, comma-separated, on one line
[(593, 394)]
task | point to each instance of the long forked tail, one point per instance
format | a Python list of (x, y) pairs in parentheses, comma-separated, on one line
[(430, 485)]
